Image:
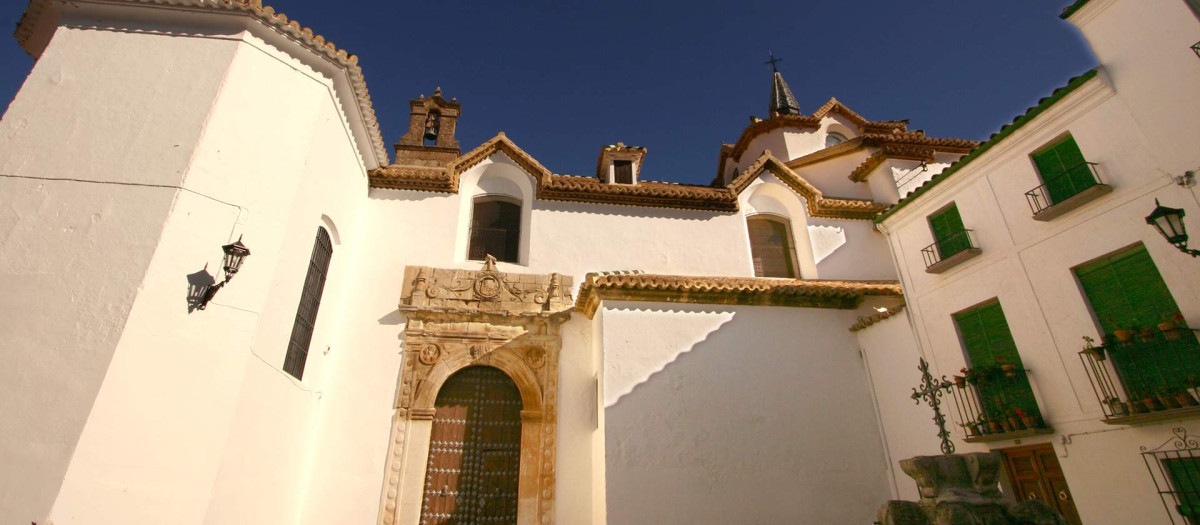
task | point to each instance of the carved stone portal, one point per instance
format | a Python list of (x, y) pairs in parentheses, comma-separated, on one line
[(461, 318)]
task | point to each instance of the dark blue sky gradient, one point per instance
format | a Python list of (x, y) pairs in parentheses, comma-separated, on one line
[(564, 78)]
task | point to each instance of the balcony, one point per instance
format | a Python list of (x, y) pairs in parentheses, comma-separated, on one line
[(997, 404), (1147, 377), (1078, 186), (950, 252)]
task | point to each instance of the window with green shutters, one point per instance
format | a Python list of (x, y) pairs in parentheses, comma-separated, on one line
[(948, 232), (1063, 169), (1126, 292), (989, 344), (1185, 480)]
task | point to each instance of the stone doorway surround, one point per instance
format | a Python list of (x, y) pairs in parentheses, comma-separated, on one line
[(461, 318)]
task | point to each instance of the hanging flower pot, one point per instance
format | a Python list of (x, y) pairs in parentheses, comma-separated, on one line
[(960, 381), (1123, 335), (1185, 399), (1150, 404)]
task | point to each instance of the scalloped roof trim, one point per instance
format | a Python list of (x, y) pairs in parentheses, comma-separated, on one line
[(278, 21)]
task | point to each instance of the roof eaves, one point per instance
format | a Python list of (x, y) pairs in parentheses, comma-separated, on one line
[(1071, 9), (996, 138)]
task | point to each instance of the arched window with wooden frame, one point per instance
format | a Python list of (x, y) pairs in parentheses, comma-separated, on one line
[(310, 302), (495, 229), (771, 246)]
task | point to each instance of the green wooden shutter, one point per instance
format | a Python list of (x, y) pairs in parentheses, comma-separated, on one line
[(1064, 170), (1126, 291), (948, 232), (987, 338), (1185, 479)]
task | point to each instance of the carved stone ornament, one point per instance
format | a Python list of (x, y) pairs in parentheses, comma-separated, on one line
[(462, 318), (430, 354)]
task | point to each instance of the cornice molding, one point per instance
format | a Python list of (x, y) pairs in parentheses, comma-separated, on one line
[(746, 291)]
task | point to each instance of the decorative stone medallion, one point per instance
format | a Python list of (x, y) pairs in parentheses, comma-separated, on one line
[(429, 354)]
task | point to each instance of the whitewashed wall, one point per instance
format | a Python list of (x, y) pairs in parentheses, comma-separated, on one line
[(192, 420), (720, 414), (1026, 264), (75, 252)]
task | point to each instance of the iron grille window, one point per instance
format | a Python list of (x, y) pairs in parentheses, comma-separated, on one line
[(770, 248), (495, 230), (1175, 468), (310, 302), (623, 171)]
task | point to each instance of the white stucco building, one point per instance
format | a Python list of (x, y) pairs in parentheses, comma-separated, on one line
[(451, 334)]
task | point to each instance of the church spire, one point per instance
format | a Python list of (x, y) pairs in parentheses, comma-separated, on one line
[(782, 101)]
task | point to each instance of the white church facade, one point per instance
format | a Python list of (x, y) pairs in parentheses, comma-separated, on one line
[(454, 335)]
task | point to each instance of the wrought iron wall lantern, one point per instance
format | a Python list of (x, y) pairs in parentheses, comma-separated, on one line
[(235, 254), (1169, 223)]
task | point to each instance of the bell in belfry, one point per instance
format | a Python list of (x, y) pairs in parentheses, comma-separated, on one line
[(431, 126)]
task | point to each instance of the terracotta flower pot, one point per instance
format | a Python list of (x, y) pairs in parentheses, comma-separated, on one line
[(1146, 335), (1015, 423), (1010, 370), (1150, 404), (993, 427), (1168, 401), (960, 381), (1137, 407), (1029, 421), (1185, 399), (1123, 336)]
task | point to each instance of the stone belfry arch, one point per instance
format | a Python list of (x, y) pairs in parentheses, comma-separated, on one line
[(462, 318)]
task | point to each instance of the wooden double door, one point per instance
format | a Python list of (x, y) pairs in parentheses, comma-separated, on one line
[(474, 450), (1036, 475)]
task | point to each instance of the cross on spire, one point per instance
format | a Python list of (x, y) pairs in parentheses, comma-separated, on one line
[(773, 61)]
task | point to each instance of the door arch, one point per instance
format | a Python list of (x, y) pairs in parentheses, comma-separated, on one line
[(473, 469)]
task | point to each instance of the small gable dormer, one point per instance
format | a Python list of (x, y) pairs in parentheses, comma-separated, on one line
[(430, 137), (620, 164)]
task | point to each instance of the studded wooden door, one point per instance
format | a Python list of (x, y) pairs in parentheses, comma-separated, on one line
[(474, 450), (1036, 475)]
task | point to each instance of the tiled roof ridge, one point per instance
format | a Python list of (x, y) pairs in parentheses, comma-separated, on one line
[(864, 322), (269, 16), (550, 186), (1017, 123), (729, 290)]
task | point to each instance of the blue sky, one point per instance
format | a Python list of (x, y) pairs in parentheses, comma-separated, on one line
[(563, 78)]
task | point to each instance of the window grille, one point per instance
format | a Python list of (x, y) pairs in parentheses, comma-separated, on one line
[(310, 302), (1175, 468)]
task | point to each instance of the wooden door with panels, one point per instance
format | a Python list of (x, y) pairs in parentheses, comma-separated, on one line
[(1036, 475), (474, 450)]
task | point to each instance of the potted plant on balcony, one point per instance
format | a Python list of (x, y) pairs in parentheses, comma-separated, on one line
[(1089, 348), (1116, 407), (1137, 407), (1124, 335), (960, 381), (1183, 398), (1146, 334), (1149, 402), (1172, 326), (1029, 420)]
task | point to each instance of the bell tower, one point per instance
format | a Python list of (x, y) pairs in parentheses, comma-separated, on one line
[(430, 139)]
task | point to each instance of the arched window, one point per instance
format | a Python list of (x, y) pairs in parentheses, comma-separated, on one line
[(771, 247), (495, 230), (833, 139), (310, 302)]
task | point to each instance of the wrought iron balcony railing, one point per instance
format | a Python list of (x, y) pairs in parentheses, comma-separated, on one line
[(949, 251), (1152, 376), (997, 403), (1067, 191)]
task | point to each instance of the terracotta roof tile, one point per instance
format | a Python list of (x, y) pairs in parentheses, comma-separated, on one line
[(864, 322), (728, 290)]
